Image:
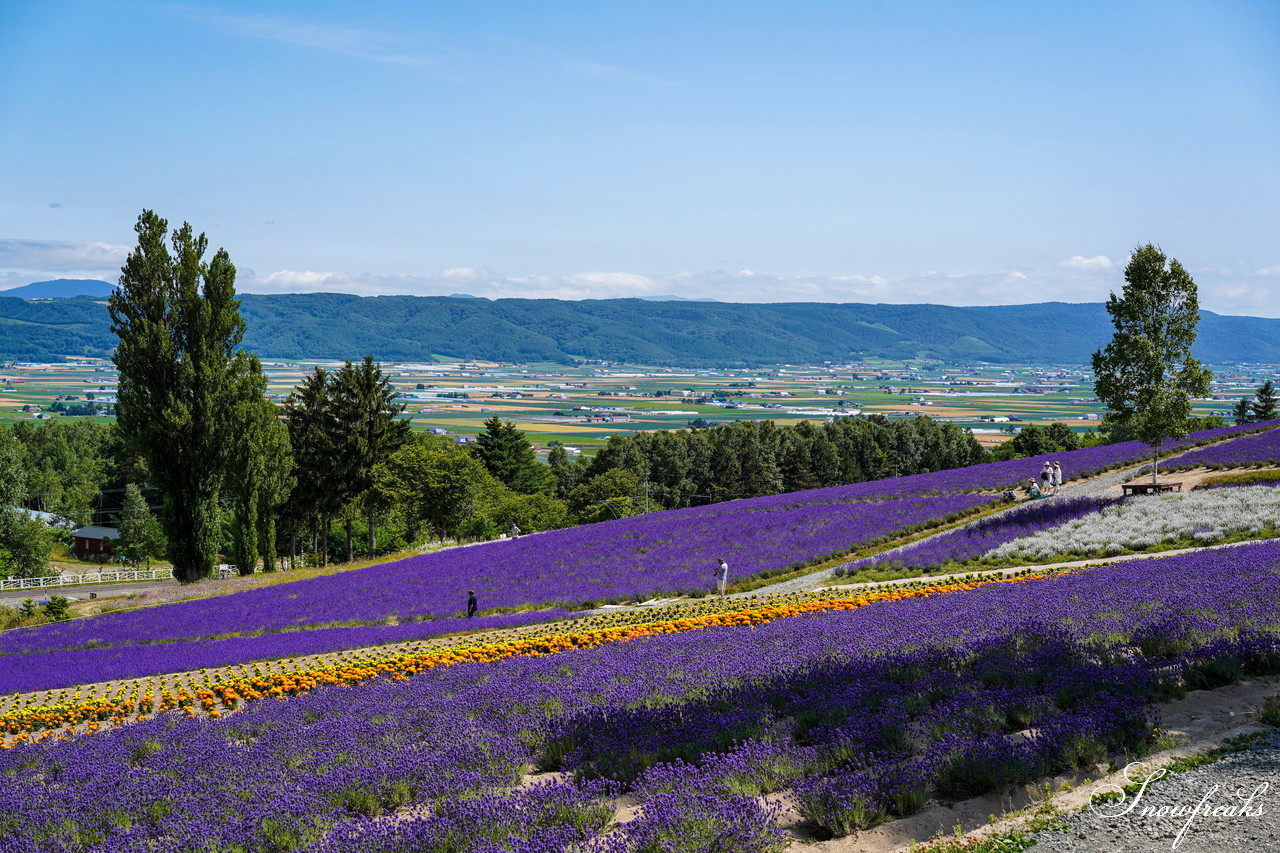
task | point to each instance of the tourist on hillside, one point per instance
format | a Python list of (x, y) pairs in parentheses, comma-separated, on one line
[(722, 577), (1033, 491), (1046, 479), (515, 531), (472, 606), (1057, 477)]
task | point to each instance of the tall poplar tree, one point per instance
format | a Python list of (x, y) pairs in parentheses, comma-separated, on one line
[(179, 324), (1146, 374)]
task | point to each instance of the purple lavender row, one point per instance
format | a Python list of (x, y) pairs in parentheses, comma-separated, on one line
[(978, 537), (1000, 475), (613, 560), (23, 673), (1247, 452), (863, 714)]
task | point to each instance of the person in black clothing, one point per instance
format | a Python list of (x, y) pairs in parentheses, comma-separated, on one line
[(472, 607)]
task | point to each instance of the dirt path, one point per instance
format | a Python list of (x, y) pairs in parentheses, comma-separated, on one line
[(1195, 724)]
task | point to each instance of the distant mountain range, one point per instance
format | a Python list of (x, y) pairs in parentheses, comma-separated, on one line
[(61, 288), (677, 333)]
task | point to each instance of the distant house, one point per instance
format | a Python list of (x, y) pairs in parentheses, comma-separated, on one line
[(94, 541)]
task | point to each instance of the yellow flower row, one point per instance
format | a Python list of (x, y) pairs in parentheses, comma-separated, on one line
[(235, 693)]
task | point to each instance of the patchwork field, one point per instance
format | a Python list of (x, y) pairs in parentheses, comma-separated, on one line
[(357, 711)]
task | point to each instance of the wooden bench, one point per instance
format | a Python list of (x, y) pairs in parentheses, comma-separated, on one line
[(1148, 488)]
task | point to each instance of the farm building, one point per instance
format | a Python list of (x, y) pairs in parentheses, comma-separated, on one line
[(93, 541)]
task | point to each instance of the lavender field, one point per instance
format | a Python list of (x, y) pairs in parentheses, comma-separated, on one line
[(1076, 464), (1252, 451), (973, 540), (630, 558), (864, 715)]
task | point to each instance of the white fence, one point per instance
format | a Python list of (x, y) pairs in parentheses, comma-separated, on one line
[(164, 574)]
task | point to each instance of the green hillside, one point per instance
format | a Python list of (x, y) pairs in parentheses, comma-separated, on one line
[(411, 328)]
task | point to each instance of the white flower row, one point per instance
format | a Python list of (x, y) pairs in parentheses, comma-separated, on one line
[(1141, 522)]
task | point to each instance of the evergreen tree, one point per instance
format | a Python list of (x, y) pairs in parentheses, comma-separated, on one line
[(1264, 404), (1243, 411), (141, 539), (260, 477), (179, 324), (367, 409), (1146, 374), (318, 451), (508, 456)]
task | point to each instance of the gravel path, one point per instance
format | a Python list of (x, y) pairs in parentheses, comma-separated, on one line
[(1242, 787)]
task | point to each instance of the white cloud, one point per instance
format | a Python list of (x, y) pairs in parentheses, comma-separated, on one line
[(742, 286), (61, 255), (355, 42), (1098, 263)]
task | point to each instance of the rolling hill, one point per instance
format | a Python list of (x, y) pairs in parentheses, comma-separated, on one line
[(412, 328)]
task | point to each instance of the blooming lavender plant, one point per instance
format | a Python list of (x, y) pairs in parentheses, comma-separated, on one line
[(626, 559), (980, 537), (1143, 522)]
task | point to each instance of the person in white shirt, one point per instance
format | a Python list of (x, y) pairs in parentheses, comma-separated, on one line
[(722, 577)]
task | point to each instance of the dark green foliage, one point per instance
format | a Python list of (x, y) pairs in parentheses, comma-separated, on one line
[(141, 538), (1263, 407), (58, 609), (367, 409), (1243, 411), (747, 459), (65, 464), (1146, 375), (508, 456), (178, 323)]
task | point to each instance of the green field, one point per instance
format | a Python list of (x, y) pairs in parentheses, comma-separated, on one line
[(582, 406)]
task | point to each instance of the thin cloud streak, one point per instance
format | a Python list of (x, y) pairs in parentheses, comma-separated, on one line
[(355, 42)]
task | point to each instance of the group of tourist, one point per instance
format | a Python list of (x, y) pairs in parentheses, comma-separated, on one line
[(1050, 481)]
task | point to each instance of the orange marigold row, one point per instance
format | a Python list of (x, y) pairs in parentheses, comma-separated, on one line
[(233, 695)]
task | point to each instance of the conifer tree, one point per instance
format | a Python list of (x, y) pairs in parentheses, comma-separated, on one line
[(1264, 403), (141, 539)]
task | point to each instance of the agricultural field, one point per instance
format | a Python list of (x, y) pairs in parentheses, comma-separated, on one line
[(358, 711), (582, 406)]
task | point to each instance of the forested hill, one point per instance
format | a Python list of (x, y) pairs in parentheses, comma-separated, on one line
[(410, 328)]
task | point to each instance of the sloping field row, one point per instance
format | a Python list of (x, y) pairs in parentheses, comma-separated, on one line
[(628, 559), (422, 597), (862, 714), (48, 712), (1001, 475), (1250, 451)]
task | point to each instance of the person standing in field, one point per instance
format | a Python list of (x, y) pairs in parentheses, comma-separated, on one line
[(1046, 479), (514, 532), (472, 606), (722, 577), (1057, 477)]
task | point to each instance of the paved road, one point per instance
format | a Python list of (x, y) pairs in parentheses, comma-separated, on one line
[(103, 590)]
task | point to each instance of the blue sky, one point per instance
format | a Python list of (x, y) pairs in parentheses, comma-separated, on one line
[(950, 152)]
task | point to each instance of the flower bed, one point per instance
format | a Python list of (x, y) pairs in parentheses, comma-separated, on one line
[(1252, 451), (978, 537), (864, 714), (634, 557), (1001, 475), (1199, 517)]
